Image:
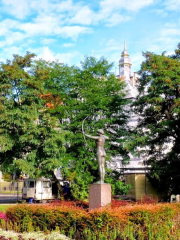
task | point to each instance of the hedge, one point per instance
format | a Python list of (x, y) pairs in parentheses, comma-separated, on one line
[(142, 221)]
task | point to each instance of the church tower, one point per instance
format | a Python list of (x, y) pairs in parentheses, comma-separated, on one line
[(125, 65)]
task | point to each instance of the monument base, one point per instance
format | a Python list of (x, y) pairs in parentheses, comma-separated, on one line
[(99, 195)]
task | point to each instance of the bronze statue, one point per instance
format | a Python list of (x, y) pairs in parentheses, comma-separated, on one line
[(100, 154)]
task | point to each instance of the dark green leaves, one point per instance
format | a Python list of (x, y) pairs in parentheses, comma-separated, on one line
[(159, 125)]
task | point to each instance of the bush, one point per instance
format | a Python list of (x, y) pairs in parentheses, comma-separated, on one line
[(136, 221), (147, 199)]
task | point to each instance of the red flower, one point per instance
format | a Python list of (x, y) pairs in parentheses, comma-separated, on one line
[(3, 216)]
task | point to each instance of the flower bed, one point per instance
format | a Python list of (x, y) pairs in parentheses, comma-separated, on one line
[(10, 235)]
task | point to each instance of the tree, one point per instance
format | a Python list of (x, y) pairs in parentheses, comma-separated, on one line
[(42, 107), (32, 139), (158, 130), (90, 92)]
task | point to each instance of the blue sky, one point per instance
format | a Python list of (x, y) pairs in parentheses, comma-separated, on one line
[(72, 29)]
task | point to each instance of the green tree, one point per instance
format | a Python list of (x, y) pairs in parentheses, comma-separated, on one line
[(31, 138), (158, 130), (90, 92), (42, 107)]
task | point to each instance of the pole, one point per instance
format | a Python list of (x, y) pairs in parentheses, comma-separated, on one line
[(145, 180), (17, 190)]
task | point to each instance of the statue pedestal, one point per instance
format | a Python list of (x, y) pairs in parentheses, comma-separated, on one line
[(99, 195)]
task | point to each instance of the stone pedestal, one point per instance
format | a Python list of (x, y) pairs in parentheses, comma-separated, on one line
[(99, 195)]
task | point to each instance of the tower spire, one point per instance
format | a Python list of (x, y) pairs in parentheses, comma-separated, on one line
[(125, 64), (124, 45)]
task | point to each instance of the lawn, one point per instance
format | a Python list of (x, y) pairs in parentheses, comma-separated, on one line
[(3, 207)]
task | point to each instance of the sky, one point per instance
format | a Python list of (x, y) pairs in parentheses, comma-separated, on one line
[(70, 30)]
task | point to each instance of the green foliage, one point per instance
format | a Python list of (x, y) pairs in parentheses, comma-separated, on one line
[(3, 208), (89, 91), (32, 139), (121, 188), (117, 187), (80, 185), (158, 130), (7, 177), (42, 106)]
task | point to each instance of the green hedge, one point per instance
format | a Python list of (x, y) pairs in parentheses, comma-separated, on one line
[(146, 221)]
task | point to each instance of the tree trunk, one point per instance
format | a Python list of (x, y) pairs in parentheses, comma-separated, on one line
[(59, 187)]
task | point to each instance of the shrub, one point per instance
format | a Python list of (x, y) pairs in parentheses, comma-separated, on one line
[(119, 203), (138, 221), (77, 204), (147, 199)]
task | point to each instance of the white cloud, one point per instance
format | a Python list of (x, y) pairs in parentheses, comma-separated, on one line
[(161, 12), (72, 31), (15, 37), (46, 54), (136, 59), (7, 24), (24, 8), (67, 45), (111, 11), (69, 12), (2, 44), (65, 6), (6, 53), (66, 58), (47, 41), (65, 19), (172, 5), (69, 57), (84, 15), (115, 19), (18, 9), (33, 29), (14, 30), (131, 5), (112, 42), (8, 30), (170, 32)]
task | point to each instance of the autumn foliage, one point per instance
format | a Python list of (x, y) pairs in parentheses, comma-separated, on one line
[(51, 101), (74, 218)]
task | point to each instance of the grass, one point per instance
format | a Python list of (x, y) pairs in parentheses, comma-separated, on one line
[(12, 192), (3, 208)]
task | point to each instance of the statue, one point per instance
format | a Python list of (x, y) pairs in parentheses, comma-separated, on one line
[(100, 154)]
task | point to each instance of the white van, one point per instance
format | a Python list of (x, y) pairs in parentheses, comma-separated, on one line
[(39, 189)]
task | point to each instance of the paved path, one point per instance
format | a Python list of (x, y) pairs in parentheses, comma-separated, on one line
[(9, 197)]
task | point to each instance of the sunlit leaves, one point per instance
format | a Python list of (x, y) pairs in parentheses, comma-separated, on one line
[(158, 105), (32, 140)]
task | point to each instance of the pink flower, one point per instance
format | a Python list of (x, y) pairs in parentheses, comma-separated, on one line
[(3, 216)]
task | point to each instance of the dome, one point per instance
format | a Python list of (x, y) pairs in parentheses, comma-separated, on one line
[(125, 52), (125, 59)]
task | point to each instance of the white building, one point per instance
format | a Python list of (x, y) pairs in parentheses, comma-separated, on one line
[(135, 170), (135, 164)]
